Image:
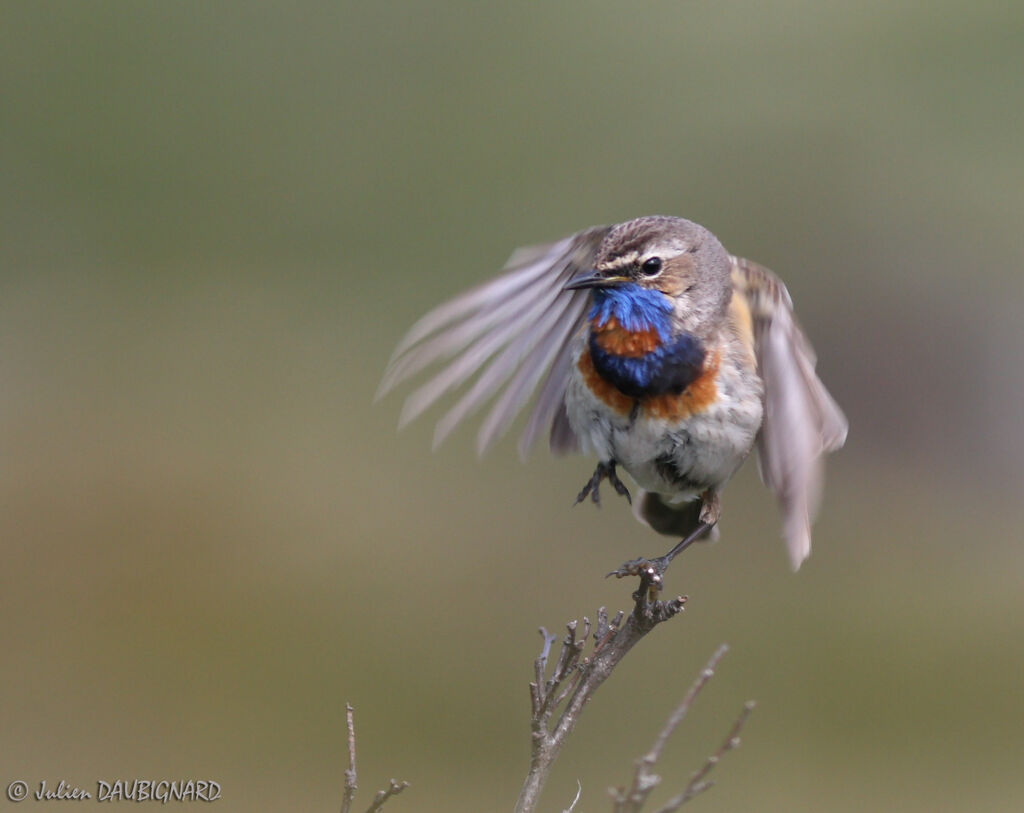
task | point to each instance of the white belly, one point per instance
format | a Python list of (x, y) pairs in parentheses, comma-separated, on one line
[(676, 458)]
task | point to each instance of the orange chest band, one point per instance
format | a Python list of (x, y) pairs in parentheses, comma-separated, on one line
[(615, 339), (696, 398)]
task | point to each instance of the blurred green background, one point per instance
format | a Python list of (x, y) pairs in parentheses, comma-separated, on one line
[(216, 220)]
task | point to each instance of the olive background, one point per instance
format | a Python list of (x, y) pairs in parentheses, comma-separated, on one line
[(216, 221)]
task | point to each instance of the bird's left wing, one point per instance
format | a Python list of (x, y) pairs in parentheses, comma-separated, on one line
[(511, 330), (801, 419)]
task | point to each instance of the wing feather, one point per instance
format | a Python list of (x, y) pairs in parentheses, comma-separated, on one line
[(486, 335), (508, 404), (525, 265), (489, 313), (549, 409), (511, 330), (500, 370), (801, 419)]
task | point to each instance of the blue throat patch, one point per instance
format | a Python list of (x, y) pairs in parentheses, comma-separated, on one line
[(633, 307), (671, 367)]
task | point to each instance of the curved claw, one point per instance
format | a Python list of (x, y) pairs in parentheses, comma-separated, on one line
[(650, 572), (650, 569), (603, 471)]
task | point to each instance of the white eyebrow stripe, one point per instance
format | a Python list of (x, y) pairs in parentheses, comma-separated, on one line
[(623, 261)]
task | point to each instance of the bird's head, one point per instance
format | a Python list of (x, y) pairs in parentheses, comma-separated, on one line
[(677, 259)]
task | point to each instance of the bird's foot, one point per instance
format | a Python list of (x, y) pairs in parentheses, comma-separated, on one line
[(651, 571), (604, 470)]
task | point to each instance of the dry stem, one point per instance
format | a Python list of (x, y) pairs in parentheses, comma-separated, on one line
[(575, 679), (393, 788), (632, 800)]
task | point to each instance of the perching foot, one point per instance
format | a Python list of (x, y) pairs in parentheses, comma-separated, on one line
[(651, 571), (604, 470)]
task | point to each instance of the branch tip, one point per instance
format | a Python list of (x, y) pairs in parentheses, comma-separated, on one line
[(574, 679), (579, 792), (349, 792)]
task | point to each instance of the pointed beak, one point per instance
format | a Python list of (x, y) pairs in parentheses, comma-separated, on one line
[(592, 279)]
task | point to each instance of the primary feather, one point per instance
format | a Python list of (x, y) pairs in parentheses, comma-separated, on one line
[(518, 325), (801, 420)]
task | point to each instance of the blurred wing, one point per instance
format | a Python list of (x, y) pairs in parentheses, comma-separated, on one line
[(801, 419), (511, 330)]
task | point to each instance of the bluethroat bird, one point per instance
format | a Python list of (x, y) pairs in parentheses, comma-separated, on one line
[(652, 348)]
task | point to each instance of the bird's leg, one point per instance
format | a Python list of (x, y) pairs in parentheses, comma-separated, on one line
[(603, 470), (651, 571)]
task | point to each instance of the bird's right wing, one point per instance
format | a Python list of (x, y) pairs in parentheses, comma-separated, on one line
[(801, 419), (515, 328)]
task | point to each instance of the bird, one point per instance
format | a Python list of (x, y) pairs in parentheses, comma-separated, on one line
[(651, 347)]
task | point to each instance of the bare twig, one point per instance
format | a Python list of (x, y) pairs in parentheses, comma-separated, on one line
[(632, 800), (698, 783), (574, 679), (350, 774), (579, 792), (393, 789), (683, 708)]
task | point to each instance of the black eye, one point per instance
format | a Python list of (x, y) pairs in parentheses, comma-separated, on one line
[(651, 266)]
